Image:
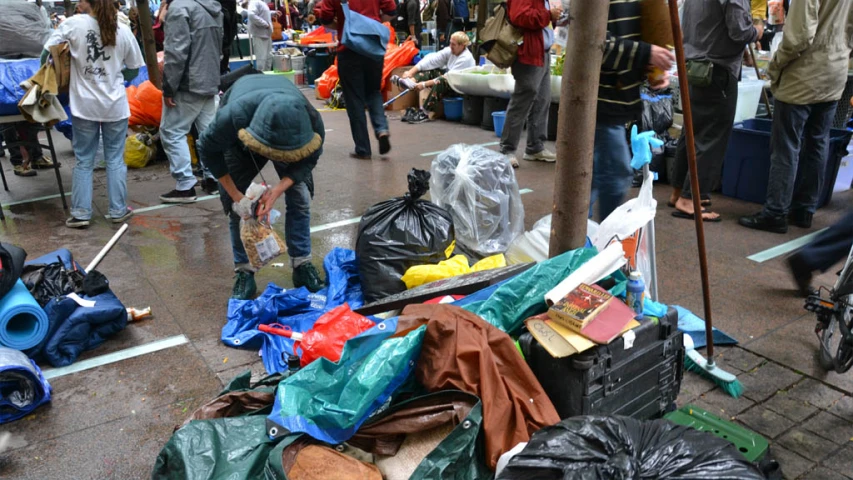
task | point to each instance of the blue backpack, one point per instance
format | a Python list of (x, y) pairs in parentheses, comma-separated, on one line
[(460, 9)]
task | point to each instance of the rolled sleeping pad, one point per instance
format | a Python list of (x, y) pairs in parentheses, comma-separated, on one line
[(24, 385), (23, 323)]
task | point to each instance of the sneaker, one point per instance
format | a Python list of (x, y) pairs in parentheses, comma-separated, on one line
[(384, 143), (210, 186), (44, 162), (542, 156), (25, 171), (420, 117), (306, 275), (410, 113), (76, 223), (244, 286), (763, 221), (179, 196), (800, 218), (512, 159), (127, 214)]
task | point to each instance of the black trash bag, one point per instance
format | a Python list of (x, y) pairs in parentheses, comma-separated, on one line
[(11, 265), (51, 280), (400, 233), (616, 447), (657, 113)]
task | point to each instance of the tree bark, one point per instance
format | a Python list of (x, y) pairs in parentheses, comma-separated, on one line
[(482, 15), (576, 124), (148, 45), (69, 9)]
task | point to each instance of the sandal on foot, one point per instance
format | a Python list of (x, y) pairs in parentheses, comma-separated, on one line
[(690, 216)]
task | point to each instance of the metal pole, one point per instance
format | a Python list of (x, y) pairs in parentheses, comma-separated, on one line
[(694, 177), (576, 124), (758, 74)]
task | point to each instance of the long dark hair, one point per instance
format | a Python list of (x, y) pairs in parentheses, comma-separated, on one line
[(107, 17)]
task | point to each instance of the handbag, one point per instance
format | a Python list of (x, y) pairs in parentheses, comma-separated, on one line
[(501, 39), (364, 35), (700, 73)]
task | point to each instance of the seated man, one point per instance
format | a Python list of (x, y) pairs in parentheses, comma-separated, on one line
[(429, 73), (35, 158), (261, 118)]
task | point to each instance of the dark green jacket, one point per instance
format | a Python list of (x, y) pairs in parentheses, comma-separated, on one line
[(243, 99)]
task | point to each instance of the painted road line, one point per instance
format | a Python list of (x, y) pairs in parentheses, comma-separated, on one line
[(786, 247), (489, 144), (343, 223), (329, 226), (117, 356), (167, 205), (37, 199)]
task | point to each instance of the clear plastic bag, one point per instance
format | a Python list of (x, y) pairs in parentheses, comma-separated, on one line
[(478, 187), (261, 242)]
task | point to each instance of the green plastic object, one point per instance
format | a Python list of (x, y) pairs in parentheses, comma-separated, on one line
[(752, 445)]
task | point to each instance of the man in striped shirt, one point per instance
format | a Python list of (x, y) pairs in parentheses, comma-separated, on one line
[(623, 70)]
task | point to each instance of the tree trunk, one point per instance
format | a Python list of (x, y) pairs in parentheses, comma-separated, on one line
[(576, 124), (69, 9), (482, 15), (148, 45)]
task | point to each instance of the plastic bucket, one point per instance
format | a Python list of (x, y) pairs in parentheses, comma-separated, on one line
[(297, 63), (453, 108), (499, 118), (472, 109), (491, 105), (299, 77), (281, 63), (748, 96), (315, 65)]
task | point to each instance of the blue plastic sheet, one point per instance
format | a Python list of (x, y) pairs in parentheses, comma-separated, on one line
[(12, 73), (330, 401), (694, 326), (23, 388), (296, 308)]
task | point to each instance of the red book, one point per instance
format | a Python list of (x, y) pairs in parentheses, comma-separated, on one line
[(609, 323)]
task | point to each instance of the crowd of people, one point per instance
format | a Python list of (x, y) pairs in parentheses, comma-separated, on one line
[(263, 119)]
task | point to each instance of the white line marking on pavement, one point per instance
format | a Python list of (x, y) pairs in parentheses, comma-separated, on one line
[(488, 144), (786, 247), (114, 357), (37, 199)]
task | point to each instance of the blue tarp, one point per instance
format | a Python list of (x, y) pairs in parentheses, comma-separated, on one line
[(694, 326), (23, 388), (12, 73), (297, 308)]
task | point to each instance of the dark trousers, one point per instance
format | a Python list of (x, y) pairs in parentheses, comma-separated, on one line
[(799, 141), (713, 110), (830, 246), (22, 132), (361, 80)]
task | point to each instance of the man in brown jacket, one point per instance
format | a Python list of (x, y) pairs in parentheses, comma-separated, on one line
[(808, 73)]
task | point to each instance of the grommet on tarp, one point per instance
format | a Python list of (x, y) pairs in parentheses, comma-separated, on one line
[(466, 424), (381, 326)]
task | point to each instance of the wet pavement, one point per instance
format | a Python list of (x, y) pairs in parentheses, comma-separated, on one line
[(109, 422)]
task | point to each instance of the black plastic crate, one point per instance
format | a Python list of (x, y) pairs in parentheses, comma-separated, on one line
[(641, 381)]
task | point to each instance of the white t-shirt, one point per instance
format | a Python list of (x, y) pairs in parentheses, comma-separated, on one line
[(97, 90)]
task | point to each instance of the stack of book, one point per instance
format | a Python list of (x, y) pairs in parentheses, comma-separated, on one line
[(586, 317)]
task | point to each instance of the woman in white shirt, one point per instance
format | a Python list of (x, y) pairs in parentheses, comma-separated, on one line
[(104, 54), (429, 73)]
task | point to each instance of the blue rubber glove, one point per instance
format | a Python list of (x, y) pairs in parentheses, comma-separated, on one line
[(641, 145)]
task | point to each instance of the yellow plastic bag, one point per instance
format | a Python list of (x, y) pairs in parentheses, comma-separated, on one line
[(452, 267), (137, 153)]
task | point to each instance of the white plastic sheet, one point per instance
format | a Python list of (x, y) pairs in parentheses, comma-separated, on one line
[(497, 83), (532, 246)]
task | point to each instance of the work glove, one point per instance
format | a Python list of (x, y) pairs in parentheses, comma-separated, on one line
[(641, 145), (245, 208)]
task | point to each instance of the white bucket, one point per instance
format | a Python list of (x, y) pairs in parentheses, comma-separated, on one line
[(748, 96)]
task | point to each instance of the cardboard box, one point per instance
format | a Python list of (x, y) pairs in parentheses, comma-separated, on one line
[(408, 100)]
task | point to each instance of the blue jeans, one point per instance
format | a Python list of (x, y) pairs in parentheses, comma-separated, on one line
[(176, 124), (297, 228), (361, 79), (799, 140), (85, 142), (611, 171)]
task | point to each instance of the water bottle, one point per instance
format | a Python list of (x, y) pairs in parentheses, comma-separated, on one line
[(636, 293)]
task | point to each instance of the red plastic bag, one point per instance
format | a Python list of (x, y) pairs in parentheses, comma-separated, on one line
[(398, 57), (330, 333), (327, 82)]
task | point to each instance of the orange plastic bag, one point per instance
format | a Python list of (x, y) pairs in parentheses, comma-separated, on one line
[(146, 104), (398, 57), (327, 82), (327, 38), (319, 31), (329, 334)]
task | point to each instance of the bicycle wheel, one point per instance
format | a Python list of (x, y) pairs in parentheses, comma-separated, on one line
[(829, 340), (836, 355)]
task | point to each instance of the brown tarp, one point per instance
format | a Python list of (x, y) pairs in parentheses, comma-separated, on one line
[(463, 352), (232, 404)]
